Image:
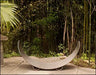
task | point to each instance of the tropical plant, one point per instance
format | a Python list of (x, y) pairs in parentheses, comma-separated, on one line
[(61, 46), (8, 16)]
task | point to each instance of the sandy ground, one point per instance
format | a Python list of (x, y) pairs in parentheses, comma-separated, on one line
[(17, 65)]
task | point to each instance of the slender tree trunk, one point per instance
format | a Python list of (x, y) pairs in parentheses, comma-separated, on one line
[(64, 32), (47, 6), (72, 37), (95, 49), (84, 28), (68, 39), (89, 32), (86, 15)]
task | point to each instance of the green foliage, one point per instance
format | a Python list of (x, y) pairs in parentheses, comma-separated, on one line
[(60, 54), (46, 20), (84, 56), (65, 51), (12, 54), (43, 55), (52, 53), (61, 46), (36, 41), (8, 16), (7, 55), (92, 57), (26, 44), (83, 63), (35, 50)]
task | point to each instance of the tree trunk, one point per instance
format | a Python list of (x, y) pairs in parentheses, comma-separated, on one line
[(47, 6), (89, 32), (95, 48), (86, 16), (72, 37), (64, 32), (84, 28), (68, 39)]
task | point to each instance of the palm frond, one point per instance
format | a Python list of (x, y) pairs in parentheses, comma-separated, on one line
[(8, 17)]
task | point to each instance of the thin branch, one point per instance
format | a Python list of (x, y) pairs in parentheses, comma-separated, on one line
[(94, 9), (88, 2)]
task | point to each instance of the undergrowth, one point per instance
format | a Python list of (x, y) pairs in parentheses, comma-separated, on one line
[(83, 61)]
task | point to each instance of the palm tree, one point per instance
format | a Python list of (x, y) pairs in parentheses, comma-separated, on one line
[(8, 16)]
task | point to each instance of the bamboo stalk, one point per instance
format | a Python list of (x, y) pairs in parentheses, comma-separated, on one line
[(84, 29), (90, 32), (72, 37), (64, 31)]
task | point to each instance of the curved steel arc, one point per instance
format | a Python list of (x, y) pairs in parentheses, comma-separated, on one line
[(48, 65)]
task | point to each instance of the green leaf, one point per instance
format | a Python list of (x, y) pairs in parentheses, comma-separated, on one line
[(8, 17)]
